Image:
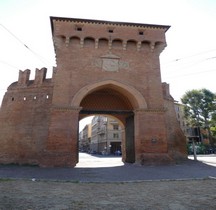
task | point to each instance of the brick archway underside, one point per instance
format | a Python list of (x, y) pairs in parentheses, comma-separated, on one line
[(106, 99), (109, 95)]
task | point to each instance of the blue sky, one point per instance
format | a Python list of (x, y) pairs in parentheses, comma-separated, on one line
[(188, 62)]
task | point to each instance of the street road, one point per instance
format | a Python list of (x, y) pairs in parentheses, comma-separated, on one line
[(207, 159), (99, 161)]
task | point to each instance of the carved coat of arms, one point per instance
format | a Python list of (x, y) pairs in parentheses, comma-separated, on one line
[(110, 62)]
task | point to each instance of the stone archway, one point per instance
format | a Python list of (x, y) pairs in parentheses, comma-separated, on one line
[(134, 96), (115, 99)]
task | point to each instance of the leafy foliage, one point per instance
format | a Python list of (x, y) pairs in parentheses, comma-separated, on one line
[(200, 106), (200, 109)]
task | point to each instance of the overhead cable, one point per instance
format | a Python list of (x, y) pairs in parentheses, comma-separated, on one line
[(8, 64), (190, 56), (43, 60)]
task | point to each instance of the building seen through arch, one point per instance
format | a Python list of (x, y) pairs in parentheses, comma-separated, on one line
[(102, 136)]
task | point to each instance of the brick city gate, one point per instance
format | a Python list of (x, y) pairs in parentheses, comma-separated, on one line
[(102, 67)]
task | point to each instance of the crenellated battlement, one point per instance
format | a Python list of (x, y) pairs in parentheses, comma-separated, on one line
[(23, 79), (80, 33), (166, 91), (27, 92), (40, 77)]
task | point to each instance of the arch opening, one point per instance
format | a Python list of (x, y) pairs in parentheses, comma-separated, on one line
[(101, 138), (111, 101)]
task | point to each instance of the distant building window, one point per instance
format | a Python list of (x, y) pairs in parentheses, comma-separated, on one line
[(115, 135), (141, 33), (115, 127)]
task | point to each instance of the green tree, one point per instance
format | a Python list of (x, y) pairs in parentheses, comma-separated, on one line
[(200, 109)]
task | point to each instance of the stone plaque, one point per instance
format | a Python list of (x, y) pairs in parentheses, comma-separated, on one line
[(110, 64)]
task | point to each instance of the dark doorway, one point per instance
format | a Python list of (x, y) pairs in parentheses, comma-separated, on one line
[(115, 148), (129, 140)]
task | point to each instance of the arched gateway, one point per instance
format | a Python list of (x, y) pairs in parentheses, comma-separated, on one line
[(103, 67)]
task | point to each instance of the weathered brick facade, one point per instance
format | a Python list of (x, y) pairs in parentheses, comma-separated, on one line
[(105, 68)]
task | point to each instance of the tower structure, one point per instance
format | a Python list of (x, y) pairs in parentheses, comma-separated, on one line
[(106, 68)]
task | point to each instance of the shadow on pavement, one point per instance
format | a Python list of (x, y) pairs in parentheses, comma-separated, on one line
[(127, 172)]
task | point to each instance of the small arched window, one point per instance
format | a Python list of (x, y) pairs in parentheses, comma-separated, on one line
[(74, 41), (145, 45), (131, 45), (117, 44), (103, 42), (89, 42)]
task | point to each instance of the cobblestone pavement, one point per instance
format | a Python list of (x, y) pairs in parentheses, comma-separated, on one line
[(109, 169)]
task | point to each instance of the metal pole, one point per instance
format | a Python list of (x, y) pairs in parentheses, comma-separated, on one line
[(194, 150)]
